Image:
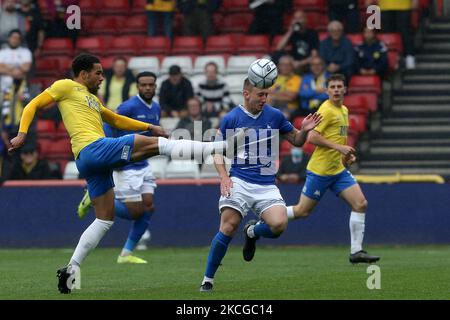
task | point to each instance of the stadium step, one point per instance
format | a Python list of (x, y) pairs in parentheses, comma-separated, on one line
[(427, 78), (416, 121), (406, 164), (419, 171)]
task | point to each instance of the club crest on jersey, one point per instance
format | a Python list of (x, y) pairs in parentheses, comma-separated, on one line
[(92, 103)]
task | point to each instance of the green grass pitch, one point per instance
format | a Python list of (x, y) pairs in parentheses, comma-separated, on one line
[(291, 273)]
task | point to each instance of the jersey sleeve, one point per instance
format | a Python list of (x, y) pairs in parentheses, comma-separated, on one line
[(285, 126), (325, 120), (59, 89), (224, 125), (123, 110)]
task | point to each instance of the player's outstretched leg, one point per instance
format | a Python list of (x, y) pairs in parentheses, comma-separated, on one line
[(230, 220)]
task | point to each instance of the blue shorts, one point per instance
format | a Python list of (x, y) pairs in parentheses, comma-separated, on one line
[(97, 160), (316, 185)]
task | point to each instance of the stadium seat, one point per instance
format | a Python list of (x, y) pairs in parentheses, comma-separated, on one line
[(88, 7), (236, 23), (285, 148), (275, 41), (185, 63), (47, 67), (137, 25), (114, 7), (309, 5), (46, 129), (393, 59), (60, 148), (61, 132), (355, 38), (105, 25), (94, 45), (323, 35), (317, 21), (358, 122), (254, 44), (201, 61), (392, 40), (138, 7), (239, 64), (57, 46), (155, 46), (235, 6), (124, 45), (182, 169), (187, 45), (297, 122), (235, 82), (365, 84), (140, 64), (71, 171), (308, 148), (357, 104), (158, 165), (221, 44), (43, 146)]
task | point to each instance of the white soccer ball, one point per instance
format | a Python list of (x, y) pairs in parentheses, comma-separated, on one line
[(262, 73)]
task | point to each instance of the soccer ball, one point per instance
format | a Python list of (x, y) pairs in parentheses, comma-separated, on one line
[(262, 73)]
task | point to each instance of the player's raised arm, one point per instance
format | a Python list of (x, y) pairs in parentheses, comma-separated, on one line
[(298, 137), (41, 101), (125, 123)]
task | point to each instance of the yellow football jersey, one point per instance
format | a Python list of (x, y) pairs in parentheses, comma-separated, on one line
[(334, 126), (80, 112)]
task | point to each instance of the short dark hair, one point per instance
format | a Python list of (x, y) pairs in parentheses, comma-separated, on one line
[(84, 61), (145, 74), (336, 77), (15, 31)]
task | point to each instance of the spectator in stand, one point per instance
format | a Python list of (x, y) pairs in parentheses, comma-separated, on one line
[(174, 93), (214, 93), (371, 55), (396, 17), (293, 167), (34, 25), (15, 62), (118, 85), (198, 16), (268, 16), (30, 167), (10, 19), (57, 16), (158, 10), (337, 50), (347, 12), (195, 115), (304, 42), (313, 90), (284, 92)]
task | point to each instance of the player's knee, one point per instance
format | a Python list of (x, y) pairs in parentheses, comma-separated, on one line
[(361, 206), (279, 226), (228, 228)]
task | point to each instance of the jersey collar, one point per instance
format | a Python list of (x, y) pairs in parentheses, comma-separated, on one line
[(254, 116), (145, 103)]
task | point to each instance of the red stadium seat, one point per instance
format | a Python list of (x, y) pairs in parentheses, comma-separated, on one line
[(308, 148), (222, 44), (138, 7), (94, 45), (297, 122), (355, 38), (47, 67), (187, 45), (61, 132), (392, 40), (60, 148), (137, 25), (57, 46), (254, 44), (323, 35), (124, 45), (317, 21), (88, 7), (310, 5), (285, 148), (393, 59), (365, 84), (114, 7), (361, 103), (236, 23), (45, 129), (155, 45), (105, 25), (352, 139), (234, 6), (357, 122), (43, 145), (275, 41)]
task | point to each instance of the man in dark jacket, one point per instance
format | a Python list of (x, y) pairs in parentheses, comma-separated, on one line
[(371, 55), (174, 93)]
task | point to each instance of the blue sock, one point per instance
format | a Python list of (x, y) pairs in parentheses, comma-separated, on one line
[(263, 230), (137, 230), (219, 246), (121, 210)]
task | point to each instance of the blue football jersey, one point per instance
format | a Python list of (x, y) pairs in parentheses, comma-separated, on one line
[(137, 109), (255, 161)]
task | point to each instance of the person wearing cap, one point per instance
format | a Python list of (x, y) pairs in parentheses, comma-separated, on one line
[(175, 92), (30, 167)]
